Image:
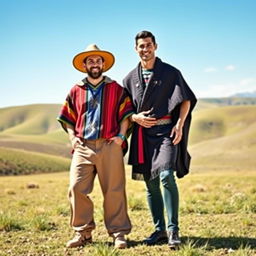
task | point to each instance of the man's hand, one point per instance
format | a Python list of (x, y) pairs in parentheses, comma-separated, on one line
[(177, 130), (75, 141), (144, 120), (116, 140)]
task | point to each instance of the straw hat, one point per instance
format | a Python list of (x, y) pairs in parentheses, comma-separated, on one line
[(93, 49)]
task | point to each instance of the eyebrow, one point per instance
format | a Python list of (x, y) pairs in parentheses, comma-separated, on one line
[(143, 44)]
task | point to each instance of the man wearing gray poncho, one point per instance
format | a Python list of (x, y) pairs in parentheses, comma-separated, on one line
[(163, 103)]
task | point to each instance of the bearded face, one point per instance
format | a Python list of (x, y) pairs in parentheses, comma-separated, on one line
[(94, 72), (94, 66)]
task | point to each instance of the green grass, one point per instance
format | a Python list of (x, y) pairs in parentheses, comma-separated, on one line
[(16, 162), (217, 216), (9, 223)]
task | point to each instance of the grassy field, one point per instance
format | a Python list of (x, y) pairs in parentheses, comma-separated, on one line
[(217, 216), (17, 162)]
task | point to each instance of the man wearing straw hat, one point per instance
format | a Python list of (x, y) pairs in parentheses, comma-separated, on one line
[(95, 116)]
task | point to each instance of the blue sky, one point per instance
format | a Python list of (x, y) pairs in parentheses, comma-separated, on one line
[(211, 42)]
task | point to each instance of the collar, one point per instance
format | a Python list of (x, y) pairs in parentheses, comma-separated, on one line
[(106, 79)]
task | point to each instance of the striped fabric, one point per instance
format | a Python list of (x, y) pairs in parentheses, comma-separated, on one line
[(94, 96), (114, 106), (146, 75)]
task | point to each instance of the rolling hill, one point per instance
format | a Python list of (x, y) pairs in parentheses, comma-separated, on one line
[(33, 128), (15, 162), (224, 138), (222, 134)]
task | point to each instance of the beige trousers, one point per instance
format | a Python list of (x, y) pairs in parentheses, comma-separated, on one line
[(106, 160)]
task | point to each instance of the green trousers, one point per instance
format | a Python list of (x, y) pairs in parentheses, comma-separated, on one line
[(170, 200)]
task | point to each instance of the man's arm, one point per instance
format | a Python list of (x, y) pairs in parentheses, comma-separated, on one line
[(121, 135), (72, 137), (177, 129)]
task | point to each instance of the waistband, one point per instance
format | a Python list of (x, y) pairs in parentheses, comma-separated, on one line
[(164, 120), (94, 141)]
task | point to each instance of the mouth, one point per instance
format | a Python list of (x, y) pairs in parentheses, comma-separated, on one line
[(95, 69), (146, 54)]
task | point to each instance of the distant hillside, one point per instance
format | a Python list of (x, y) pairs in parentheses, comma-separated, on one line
[(218, 122), (224, 138), (33, 128), (232, 152), (222, 133), (227, 101), (245, 94), (29, 119)]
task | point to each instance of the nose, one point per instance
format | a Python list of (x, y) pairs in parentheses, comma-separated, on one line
[(145, 48), (95, 65)]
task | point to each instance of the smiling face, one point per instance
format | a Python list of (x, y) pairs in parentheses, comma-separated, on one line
[(146, 48), (94, 65)]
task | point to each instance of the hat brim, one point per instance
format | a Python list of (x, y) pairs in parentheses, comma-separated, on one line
[(78, 61)]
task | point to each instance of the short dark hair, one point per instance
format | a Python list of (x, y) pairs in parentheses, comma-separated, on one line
[(145, 34)]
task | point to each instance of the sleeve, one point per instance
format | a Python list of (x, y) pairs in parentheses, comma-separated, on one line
[(126, 108), (181, 93), (67, 113)]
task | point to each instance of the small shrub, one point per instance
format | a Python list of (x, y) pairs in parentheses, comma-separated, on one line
[(9, 191), (253, 191), (248, 206), (8, 223), (199, 188), (23, 203)]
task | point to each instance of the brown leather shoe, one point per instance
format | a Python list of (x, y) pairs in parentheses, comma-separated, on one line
[(120, 242), (79, 239)]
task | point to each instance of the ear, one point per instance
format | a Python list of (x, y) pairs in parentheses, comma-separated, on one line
[(156, 46), (84, 66)]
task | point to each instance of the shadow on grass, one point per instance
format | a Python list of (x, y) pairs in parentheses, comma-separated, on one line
[(222, 242), (213, 243)]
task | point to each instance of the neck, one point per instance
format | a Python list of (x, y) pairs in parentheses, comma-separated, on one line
[(148, 64), (94, 81)]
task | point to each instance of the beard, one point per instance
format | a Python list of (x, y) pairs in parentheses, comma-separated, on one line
[(94, 74)]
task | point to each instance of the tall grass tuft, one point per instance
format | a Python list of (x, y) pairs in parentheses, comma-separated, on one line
[(136, 204), (243, 251), (191, 249), (42, 223), (63, 210), (9, 223), (102, 249)]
